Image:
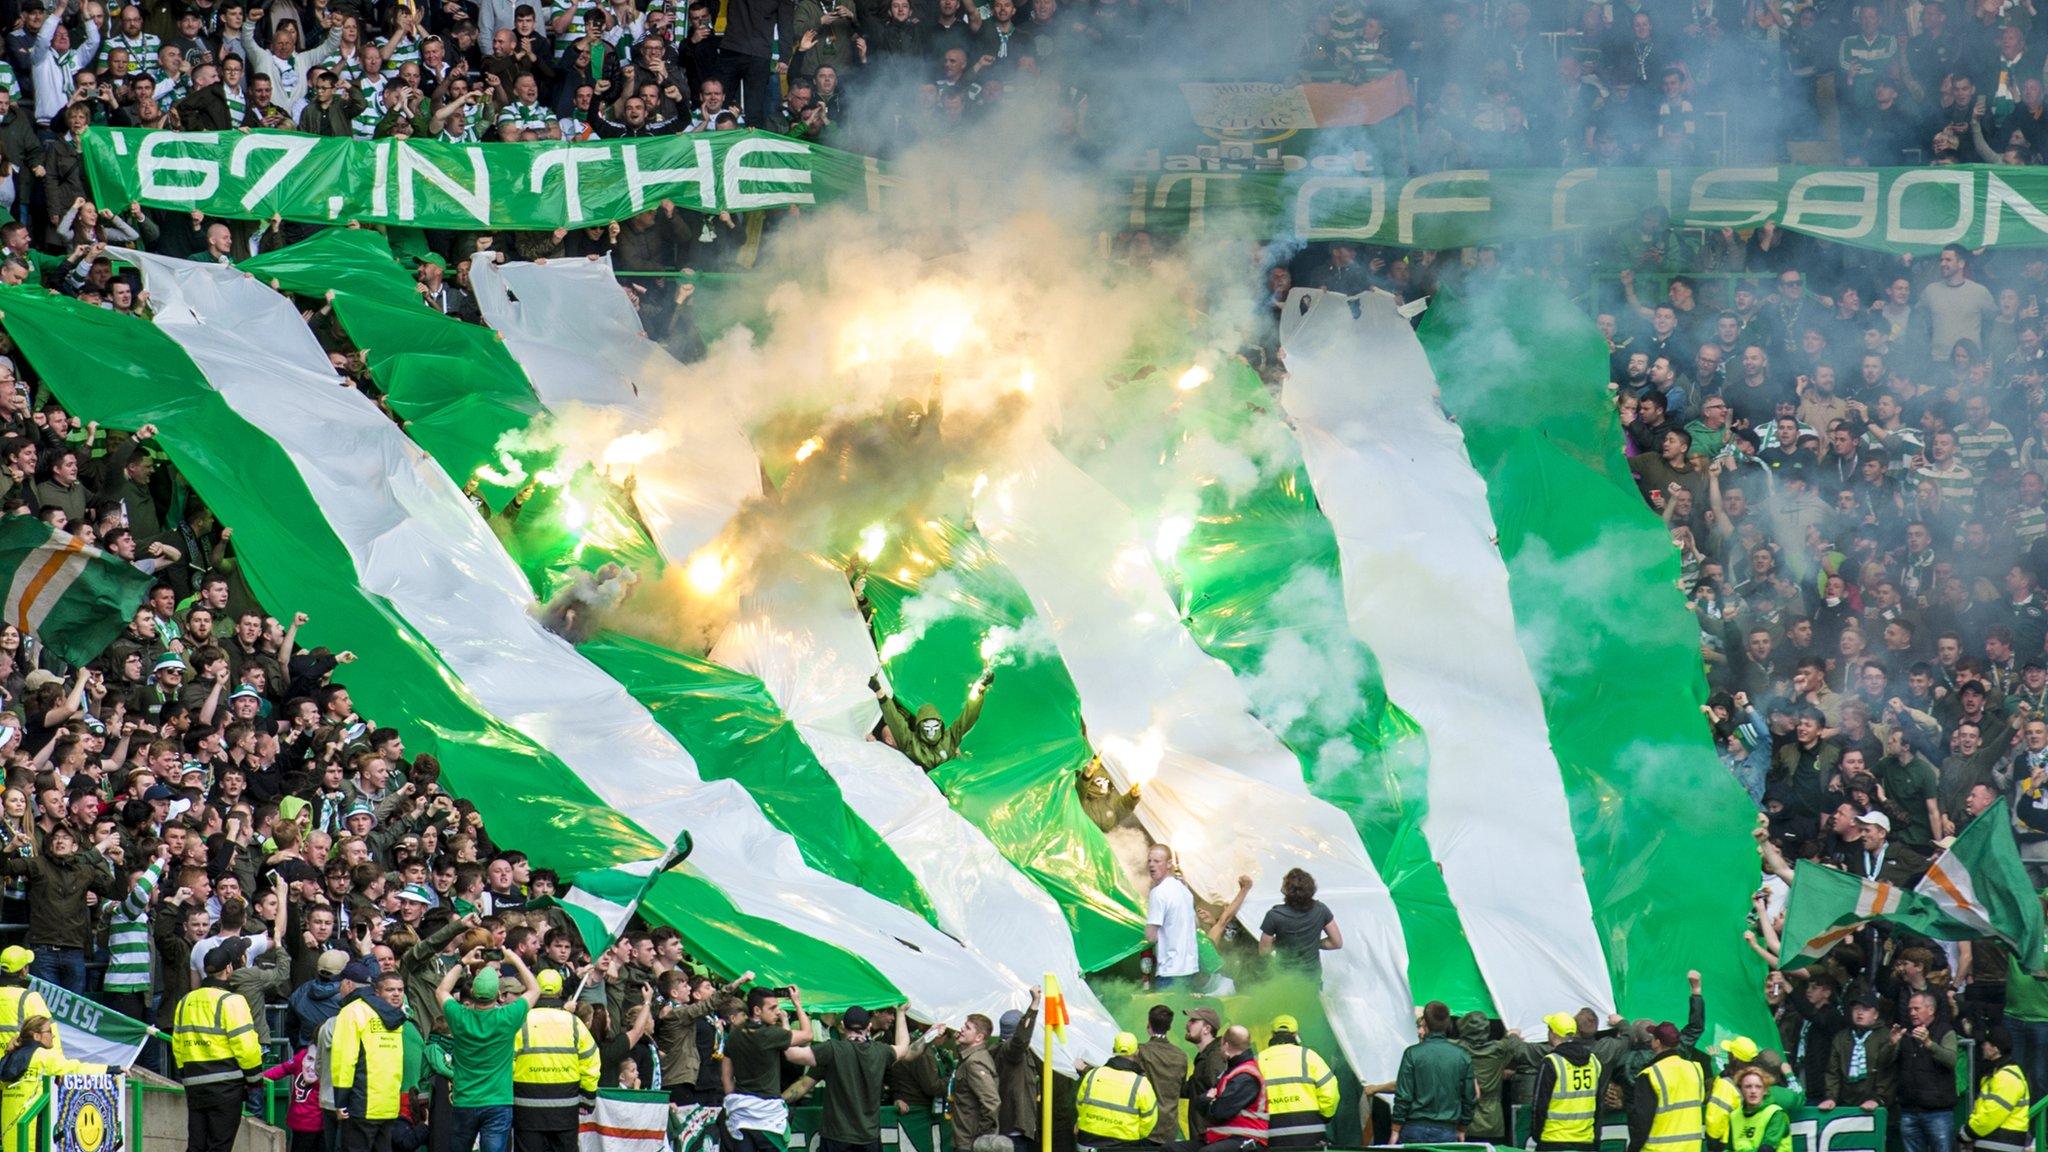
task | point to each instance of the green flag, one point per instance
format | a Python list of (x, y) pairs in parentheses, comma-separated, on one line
[(1828, 907), (72, 596), (1980, 882), (600, 903)]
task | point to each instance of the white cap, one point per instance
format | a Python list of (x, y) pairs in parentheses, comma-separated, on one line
[(1878, 818)]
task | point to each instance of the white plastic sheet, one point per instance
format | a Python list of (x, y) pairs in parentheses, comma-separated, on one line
[(801, 634), (1218, 786), (417, 543), (579, 340), (1425, 588), (804, 638)]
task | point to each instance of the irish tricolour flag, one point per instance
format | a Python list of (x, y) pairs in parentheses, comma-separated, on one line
[(1977, 888), (1981, 882), (602, 902), (1827, 907), (72, 595)]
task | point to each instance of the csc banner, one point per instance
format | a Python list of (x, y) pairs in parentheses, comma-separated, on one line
[(468, 187), (92, 1032)]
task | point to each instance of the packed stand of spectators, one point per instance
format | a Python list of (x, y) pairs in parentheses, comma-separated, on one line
[(202, 812), (1848, 448)]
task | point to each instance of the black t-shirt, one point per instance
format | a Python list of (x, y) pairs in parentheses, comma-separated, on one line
[(755, 1050), (707, 1054), (853, 1071), (1297, 933)]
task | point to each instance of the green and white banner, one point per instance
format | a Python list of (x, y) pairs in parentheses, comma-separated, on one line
[(430, 184), (1894, 209), (479, 187), (91, 1032)]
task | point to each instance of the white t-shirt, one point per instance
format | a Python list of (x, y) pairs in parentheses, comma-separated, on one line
[(258, 945), (1172, 910)]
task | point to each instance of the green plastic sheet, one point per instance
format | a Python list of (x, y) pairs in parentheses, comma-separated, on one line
[(1662, 827), (1016, 779)]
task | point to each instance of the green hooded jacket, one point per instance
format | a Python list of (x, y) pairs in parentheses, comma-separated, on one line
[(909, 732), (1491, 1061)]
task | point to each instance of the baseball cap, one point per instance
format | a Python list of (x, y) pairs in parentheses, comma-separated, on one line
[(1007, 1026), (1285, 1024), (360, 972), (1740, 1048), (160, 792), (419, 893), (484, 986), (245, 692), (1207, 1016), (549, 982), (14, 958), (359, 808), (331, 962), (1562, 1024), (1877, 818), (168, 660), (855, 1018), (1124, 1045)]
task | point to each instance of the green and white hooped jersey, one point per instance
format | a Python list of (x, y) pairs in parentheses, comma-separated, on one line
[(364, 125), (142, 49), (581, 10), (526, 116), (398, 52)]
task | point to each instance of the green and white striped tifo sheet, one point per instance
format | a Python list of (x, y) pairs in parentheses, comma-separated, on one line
[(1513, 806)]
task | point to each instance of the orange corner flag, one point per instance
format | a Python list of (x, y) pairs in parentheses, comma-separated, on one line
[(1055, 1011)]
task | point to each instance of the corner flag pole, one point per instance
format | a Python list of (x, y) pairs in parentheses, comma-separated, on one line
[(1055, 1013)]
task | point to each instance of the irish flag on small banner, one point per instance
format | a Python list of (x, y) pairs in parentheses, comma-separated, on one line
[(1981, 882), (626, 1122), (1827, 907), (601, 903), (72, 595)]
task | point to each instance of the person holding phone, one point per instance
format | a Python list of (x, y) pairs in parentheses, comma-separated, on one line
[(482, 1032)]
